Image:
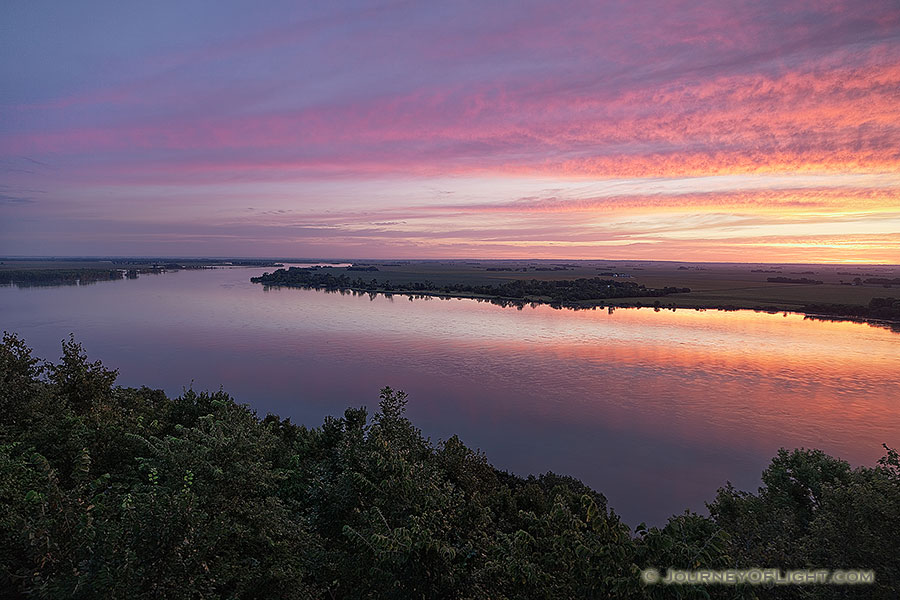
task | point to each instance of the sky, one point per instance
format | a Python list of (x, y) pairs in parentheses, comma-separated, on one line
[(756, 131)]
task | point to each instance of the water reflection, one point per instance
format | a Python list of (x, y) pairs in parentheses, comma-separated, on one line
[(655, 409)]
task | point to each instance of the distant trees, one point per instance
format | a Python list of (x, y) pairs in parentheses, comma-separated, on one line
[(51, 277), (38, 277), (887, 309), (561, 292), (803, 280), (885, 281)]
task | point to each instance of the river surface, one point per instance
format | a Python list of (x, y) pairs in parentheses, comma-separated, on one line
[(654, 409)]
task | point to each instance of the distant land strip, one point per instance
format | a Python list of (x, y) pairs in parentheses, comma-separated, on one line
[(567, 293), (49, 274)]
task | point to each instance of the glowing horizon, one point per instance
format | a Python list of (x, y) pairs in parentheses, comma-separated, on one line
[(719, 131)]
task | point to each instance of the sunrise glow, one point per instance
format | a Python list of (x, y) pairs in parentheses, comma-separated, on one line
[(706, 131)]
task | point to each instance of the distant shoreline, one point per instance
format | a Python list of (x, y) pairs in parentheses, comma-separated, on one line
[(880, 312), (52, 273), (514, 302), (836, 292)]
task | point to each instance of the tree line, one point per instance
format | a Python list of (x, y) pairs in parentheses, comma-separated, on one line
[(40, 277), (887, 309), (568, 291)]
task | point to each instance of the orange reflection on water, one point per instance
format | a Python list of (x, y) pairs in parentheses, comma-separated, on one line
[(654, 409), (755, 379)]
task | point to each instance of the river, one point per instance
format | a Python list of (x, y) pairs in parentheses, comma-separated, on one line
[(654, 409)]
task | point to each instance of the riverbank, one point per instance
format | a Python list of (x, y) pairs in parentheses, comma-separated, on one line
[(591, 285)]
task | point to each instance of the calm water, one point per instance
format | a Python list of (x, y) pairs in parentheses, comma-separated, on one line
[(656, 410)]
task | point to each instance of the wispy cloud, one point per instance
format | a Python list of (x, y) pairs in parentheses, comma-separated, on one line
[(544, 122)]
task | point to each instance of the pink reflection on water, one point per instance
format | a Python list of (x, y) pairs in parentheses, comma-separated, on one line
[(655, 409)]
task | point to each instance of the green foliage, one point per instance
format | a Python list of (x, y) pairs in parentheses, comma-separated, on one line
[(688, 541), (814, 511), (19, 372), (111, 492), (78, 381)]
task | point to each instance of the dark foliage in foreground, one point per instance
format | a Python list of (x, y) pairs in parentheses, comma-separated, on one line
[(554, 292), (110, 492)]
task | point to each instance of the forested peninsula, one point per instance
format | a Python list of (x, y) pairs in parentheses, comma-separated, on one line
[(563, 292), (114, 492)]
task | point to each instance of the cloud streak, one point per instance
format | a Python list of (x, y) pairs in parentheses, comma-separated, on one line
[(478, 100)]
